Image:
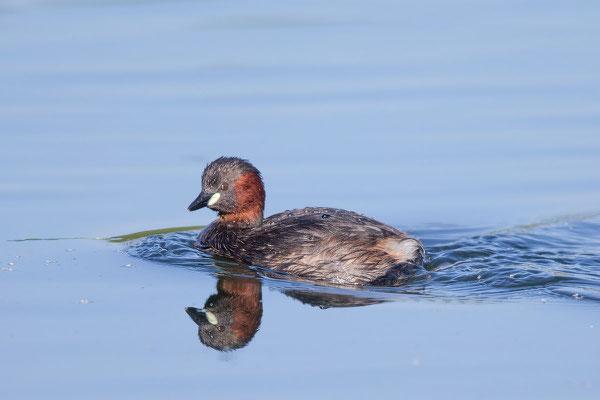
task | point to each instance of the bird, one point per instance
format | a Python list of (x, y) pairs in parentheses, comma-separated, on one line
[(317, 243)]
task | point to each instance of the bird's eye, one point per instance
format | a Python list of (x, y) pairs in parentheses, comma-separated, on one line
[(223, 186)]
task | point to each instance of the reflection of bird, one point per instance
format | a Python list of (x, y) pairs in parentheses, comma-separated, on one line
[(331, 300), (317, 243), (231, 317)]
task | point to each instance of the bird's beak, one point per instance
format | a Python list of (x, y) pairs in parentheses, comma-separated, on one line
[(201, 201)]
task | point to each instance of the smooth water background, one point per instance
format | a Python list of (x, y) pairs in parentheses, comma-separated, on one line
[(473, 125)]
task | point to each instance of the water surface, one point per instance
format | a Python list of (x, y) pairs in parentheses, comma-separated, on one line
[(548, 260)]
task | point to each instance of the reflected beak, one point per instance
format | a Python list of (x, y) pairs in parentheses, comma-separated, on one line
[(201, 201), (201, 316), (196, 314)]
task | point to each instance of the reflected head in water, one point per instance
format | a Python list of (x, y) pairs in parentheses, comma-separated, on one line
[(231, 317)]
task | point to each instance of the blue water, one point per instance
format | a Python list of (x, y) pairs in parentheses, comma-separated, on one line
[(548, 260), (472, 125)]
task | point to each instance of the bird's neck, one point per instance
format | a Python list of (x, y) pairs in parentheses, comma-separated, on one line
[(250, 198), (244, 219)]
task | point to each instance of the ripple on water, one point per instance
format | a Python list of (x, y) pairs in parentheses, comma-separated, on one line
[(556, 260)]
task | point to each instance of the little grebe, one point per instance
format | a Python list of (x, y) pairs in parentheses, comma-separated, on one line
[(316, 243)]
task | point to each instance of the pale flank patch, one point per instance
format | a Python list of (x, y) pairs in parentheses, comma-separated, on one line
[(211, 318), (406, 248), (214, 198)]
